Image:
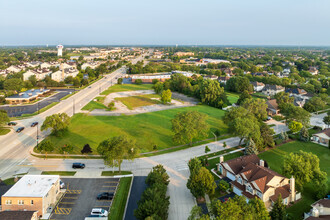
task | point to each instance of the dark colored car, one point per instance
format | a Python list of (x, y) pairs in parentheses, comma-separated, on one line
[(78, 165), (20, 129), (105, 196), (34, 124), (12, 123)]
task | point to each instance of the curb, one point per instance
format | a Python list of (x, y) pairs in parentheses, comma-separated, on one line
[(128, 196)]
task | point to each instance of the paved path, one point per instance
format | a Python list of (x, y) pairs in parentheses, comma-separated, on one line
[(317, 120)]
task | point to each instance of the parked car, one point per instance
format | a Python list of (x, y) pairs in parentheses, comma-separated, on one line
[(20, 129), (62, 185), (99, 212), (12, 123), (105, 196), (34, 124), (78, 165)]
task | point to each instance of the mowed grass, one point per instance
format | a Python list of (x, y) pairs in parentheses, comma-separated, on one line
[(4, 131), (98, 104), (137, 101), (147, 129), (126, 87), (61, 173), (275, 159), (232, 97)]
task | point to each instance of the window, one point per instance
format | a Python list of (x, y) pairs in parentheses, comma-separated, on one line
[(259, 194), (8, 202), (20, 202), (220, 169), (249, 189), (31, 202), (239, 180), (285, 201)]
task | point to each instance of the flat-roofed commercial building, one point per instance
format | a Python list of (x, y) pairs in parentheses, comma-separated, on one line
[(32, 193)]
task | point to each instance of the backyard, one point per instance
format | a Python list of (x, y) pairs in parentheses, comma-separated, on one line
[(148, 129), (275, 158)]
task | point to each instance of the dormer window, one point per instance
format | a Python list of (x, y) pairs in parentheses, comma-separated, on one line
[(249, 189)]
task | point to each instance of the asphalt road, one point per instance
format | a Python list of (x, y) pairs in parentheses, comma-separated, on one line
[(18, 110), (136, 191)]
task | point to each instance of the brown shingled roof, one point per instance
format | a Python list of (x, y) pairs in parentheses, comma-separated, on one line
[(326, 132), (237, 164), (284, 191), (16, 215), (323, 202)]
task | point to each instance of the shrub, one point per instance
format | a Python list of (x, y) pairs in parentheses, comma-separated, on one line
[(278, 141), (154, 81), (292, 136), (317, 128), (207, 149), (87, 149), (138, 81), (111, 106), (46, 145), (119, 81), (66, 148), (223, 186), (224, 144)]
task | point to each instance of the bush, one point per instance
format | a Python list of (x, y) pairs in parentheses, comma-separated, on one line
[(138, 81), (207, 149), (223, 186), (317, 128), (46, 146), (278, 141), (292, 137), (66, 148), (111, 106), (87, 149), (154, 81), (119, 81)]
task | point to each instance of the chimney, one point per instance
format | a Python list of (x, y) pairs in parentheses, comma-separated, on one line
[(262, 163), (221, 159), (292, 189)]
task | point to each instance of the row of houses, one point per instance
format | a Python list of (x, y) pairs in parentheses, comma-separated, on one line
[(148, 78)]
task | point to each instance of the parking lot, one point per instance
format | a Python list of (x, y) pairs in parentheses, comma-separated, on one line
[(80, 197)]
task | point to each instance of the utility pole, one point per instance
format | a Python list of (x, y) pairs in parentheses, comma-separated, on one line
[(37, 135), (38, 107)]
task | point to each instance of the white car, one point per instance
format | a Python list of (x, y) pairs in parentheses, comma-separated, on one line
[(99, 212), (62, 185)]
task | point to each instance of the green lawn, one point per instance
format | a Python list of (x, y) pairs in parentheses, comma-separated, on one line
[(4, 131), (275, 157), (147, 129), (61, 173), (232, 97), (126, 87), (118, 206), (137, 101), (110, 173), (9, 181), (98, 104)]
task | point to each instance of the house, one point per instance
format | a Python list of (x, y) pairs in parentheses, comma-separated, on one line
[(60, 75), (49, 64), (272, 107), (91, 65), (39, 73), (322, 137), (181, 54), (223, 79), (271, 90), (258, 86), (211, 77), (150, 78), (33, 64), (252, 179), (286, 72), (320, 210), (14, 69), (19, 215), (313, 71), (33, 193)]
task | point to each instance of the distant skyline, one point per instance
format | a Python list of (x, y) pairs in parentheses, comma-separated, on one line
[(183, 22)]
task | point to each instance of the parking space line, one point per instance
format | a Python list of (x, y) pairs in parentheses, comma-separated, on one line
[(62, 211), (73, 191), (111, 182), (103, 206), (108, 190), (108, 186), (70, 197), (103, 200)]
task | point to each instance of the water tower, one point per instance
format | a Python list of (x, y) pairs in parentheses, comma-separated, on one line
[(59, 50)]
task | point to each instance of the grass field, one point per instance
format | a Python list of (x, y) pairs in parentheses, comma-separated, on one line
[(147, 129), (119, 202), (275, 158), (98, 104), (232, 97), (137, 101), (61, 173), (126, 87), (4, 131), (110, 173)]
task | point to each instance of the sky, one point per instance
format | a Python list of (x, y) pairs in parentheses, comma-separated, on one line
[(166, 22)]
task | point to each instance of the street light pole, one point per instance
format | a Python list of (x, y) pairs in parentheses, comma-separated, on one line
[(38, 108)]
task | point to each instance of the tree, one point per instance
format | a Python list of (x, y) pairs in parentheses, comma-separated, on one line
[(315, 104), (188, 125), (247, 127), (245, 95), (259, 209), (211, 93), (267, 135), (13, 84), (158, 87), (3, 117), (305, 167), (223, 185), (120, 81), (201, 182), (76, 82), (87, 149), (283, 97), (46, 146), (250, 147), (207, 149), (239, 84), (279, 210), (33, 80), (166, 96), (295, 126), (304, 134), (295, 113), (257, 107), (57, 122), (284, 136), (158, 175), (326, 119), (196, 213), (114, 150)]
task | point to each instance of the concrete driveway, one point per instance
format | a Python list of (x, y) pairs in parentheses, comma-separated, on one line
[(317, 120)]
